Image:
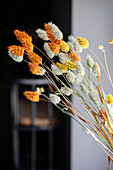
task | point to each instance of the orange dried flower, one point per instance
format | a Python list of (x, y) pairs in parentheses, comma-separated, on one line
[(74, 57), (55, 43), (25, 40), (34, 68), (33, 96), (16, 50), (35, 58), (49, 32), (54, 47)]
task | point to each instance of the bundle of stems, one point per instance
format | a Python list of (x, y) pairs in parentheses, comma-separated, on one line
[(69, 76)]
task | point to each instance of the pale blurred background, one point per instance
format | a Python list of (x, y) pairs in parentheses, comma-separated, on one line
[(92, 19)]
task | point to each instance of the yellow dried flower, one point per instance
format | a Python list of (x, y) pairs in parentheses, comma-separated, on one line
[(83, 42), (62, 67), (64, 46), (42, 89), (70, 65), (109, 99), (110, 41)]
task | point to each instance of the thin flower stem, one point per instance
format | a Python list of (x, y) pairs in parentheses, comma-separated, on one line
[(78, 101), (43, 53), (107, 69), (99, 61)]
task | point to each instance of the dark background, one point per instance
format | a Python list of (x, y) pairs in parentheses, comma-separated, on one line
[(26, 16)]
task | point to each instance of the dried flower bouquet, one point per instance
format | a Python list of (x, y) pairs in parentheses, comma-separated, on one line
[(69, 72)]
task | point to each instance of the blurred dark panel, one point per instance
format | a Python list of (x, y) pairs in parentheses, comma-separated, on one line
[(27, 16)]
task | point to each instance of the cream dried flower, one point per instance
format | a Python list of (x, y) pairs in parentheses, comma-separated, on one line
[(71, 46), (84, 89), (54, 98), (71, 39), (48, 51), (15, 57), (94, 69), (79, 69), (79, 73), (65, 90), (56, 70), (63, 57), (77, 47), (55, 30), (42, 34), (71, 76), (90, 61), (92, 95), (78, 79)]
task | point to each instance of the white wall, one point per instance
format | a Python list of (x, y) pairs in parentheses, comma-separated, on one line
[(92, 19)]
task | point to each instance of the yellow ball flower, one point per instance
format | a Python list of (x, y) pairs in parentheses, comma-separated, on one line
[(83, 42), (64, 46), (109, 99), (70, 65), (62, 67)]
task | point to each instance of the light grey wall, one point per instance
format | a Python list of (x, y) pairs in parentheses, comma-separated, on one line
[(91, 19)]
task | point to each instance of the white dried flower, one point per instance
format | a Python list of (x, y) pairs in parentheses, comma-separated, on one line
[(79, 73), (71, 46), (39, 90), (48, 51), (71, 76), (63, 57), (78, 79), (65, 90), (100, 47), (42, 71), (77, 47), (90, 61), (94, 69), (42, 34), (93, 96), (56, 70), (74, 45), (15, 57), (79, 69), (55, 30), (84, 89), (71, 39), (54, 98)]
